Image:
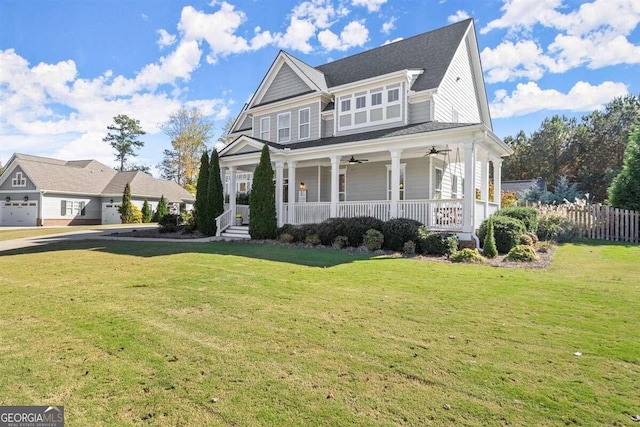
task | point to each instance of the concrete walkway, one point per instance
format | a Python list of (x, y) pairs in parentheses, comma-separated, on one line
[(98, 234)]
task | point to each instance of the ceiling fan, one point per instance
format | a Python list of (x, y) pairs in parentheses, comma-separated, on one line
[(354, 161), (433, 151)]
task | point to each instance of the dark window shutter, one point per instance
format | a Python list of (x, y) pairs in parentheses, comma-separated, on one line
[(63, 207), (82, 205)]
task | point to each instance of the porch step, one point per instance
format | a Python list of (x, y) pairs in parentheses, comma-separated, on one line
[(235, 232)]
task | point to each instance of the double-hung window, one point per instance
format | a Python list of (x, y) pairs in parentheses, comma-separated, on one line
[(284, 127), (265, 124), (303, 123), (438, 183)]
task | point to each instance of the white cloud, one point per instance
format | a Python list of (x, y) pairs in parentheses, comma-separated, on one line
[(371, 5), (523, 14), (510, 61), (353, 34), (297, 36), (397, 39), (460, 15), (165, 39), (529, 97), (388, 26)]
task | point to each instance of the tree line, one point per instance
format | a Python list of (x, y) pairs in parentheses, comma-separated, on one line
[(589, 152)]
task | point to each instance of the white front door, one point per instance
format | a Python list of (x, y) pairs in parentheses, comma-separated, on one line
[(110, 214), (18, 214)]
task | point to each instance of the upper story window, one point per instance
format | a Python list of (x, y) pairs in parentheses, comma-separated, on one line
[(284, 127), (385, 106), (265, 124), (303, 123), (19, 180)]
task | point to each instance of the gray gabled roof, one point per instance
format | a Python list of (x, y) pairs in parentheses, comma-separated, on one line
[(431, 52), (313, 74), (145, 186)]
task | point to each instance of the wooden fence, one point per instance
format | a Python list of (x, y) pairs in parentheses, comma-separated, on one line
[(600, 222)]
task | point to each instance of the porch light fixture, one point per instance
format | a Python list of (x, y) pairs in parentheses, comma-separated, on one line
[(7, 199), (111, 201), (26, 198), (303, 186)]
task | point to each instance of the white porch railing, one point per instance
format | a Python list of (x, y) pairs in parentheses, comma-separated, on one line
[(484, 210), (307, 213), (224, 221), (377, 209), (433, 213)]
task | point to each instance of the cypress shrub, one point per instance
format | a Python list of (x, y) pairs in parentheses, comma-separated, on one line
[(262, 203), (202, 188), (214, 206), (490, 250), (125, 209), (507, 232), (146, 212), (161, 210)]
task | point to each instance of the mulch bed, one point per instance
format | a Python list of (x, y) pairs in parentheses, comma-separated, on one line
[(154, 233)]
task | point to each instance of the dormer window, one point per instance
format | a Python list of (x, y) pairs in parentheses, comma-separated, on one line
[(19, 180), (361, 102), (284, 127), (393, 95), (376, 99), (385, 106), (345, 105)]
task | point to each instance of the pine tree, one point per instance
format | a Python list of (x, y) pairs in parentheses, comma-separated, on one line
[(202, 190), (262, 204), (125, 209), (161, 210), (624, 192), (215, 199), (490, 250), (146, 212)]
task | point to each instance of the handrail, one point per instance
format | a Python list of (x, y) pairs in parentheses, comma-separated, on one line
[(224, 221)]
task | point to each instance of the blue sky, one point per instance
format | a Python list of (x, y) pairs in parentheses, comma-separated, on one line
[(68, 67)]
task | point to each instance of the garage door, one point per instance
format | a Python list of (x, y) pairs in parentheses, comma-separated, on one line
[(17, 214), (110, 214)]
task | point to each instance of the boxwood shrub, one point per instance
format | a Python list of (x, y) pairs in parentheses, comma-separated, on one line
[(357, 227), (398, 231), (437, 243), (506, 231), (528, 216)]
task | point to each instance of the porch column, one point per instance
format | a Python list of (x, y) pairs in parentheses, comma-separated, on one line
[(469, 202), (292, 192), (497, 181), (335, 182), (232, 188), (484, 176), (279, 198), (395, 182)]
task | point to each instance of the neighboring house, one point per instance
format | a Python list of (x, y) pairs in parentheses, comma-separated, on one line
[(402, 130), (520, 187), (43, 191)]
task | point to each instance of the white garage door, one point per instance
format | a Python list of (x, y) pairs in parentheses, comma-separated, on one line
[(17, 214), (110, 214)]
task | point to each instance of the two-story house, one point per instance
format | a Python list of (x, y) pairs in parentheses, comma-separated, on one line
[(402, 130)]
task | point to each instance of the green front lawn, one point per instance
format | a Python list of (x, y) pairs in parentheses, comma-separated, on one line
[(125, 333), (21, 233)]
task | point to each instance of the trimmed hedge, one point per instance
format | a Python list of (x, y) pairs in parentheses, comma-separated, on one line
[(437, 243), (528, 216), (506, 230), (398, 231)]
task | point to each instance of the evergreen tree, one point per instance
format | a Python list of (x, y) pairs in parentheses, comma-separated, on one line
[(490, 250), (215, 199), (262, 204), (624, 193), (125, 138), (125, 209), (202, 190), (146, 212), (161, 210)]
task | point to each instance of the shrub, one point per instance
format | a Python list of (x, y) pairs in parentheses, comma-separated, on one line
[(188, 220), (373, 239), (286, 238), (312, 239), (528, 216), (467, 255), (397, 231), (357, 227), (161, 210), (534, 237), (169, 223), (340, 242), (557, 228), (202, 188), (544, 247), (125, 208), (490, 250), (526, 240), (507, 232), (331, 228), (136, 215), (146, 212), (263, 224), (437, 243), (522, 253), (285, 229), (409, 248), (301, 232)]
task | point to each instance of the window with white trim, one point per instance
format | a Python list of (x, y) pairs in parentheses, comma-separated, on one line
[(72, 208), (304, 117), (265, 124), (284, 127), (342, 185), (454, 187), (403, 168), (19, 180), (385, 106), (437, 180)]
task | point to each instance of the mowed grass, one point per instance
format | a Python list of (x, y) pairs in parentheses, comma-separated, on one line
[(21, 233), (128, 333)]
